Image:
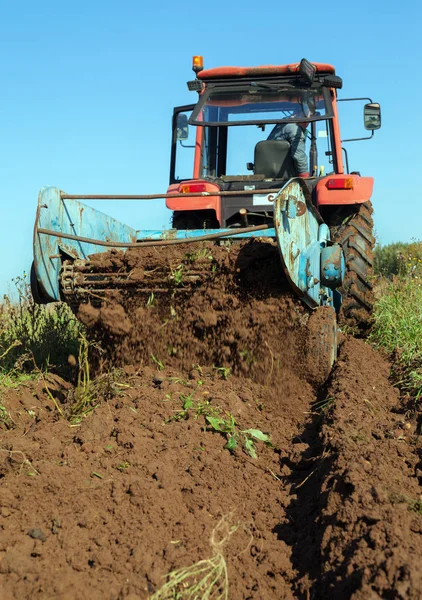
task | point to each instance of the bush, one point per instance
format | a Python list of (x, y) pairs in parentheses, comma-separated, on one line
[(398, 321), (397, 258), (30, 333)]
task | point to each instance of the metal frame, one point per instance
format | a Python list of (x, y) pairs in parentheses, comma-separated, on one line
[(356, 139)]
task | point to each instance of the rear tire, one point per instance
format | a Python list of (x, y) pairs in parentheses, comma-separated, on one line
[(199, 219), (357, 240)]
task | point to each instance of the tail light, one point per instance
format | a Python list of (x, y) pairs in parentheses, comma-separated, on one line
[(340, 183), (193, 188)]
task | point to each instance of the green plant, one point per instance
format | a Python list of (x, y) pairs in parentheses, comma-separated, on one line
[(151, 299), (88, 393), (5, 419), (221, 422), (397, 259), (397, 327), (413, 505), (224, 372), (191, 257), (321, 407), (123, 466), (176, 275), (187, 404), (235, 436), (30, 333), (158, 362), (82, 402)]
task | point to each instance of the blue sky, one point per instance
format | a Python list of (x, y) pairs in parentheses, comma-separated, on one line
[(87, 91)]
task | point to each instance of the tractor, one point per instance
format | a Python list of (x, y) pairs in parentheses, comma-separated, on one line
[(235, 175)]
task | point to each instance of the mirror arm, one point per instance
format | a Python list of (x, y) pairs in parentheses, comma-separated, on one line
[(359, 139)]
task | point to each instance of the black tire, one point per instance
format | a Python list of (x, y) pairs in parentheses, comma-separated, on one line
[(37, 295), (200, 219), (356, 237)]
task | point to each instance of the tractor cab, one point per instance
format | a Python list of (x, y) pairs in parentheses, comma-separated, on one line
[(248, 132)]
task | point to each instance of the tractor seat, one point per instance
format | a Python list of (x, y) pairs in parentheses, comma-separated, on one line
[(273, 160)]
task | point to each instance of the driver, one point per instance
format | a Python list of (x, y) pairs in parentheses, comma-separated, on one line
[(294, 133)]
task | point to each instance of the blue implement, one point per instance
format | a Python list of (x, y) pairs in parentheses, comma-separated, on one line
[(67, 229)]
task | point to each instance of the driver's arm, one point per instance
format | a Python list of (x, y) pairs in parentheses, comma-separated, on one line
[(296, 137)]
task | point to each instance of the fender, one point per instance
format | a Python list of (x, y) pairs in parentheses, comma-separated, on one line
[(192, 202), (343, 189)]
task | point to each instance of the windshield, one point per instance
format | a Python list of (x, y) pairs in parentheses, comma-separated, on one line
[(260, 103)]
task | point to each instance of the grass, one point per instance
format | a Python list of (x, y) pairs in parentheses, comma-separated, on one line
[(397, 324), (206, 579), (412, 504), (322, 407)]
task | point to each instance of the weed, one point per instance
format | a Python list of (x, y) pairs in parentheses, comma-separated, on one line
[(259, 405), (221, 422), (207, 579), (151, 299), (176, 275), (19, 457), (187, 404), (235, 436), (187, 401), (398, 323), (413, 505), (13, 378), (322, 407), (83, 397), (247, 357), (191, 257), (123, 466), (31, 332), (158, 362), (5, 419), (88, 393), (224, 372)]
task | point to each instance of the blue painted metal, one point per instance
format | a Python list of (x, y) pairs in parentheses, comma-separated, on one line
[(73, 217), (301, 237), (332, 266), (300, 234), (68, 216)]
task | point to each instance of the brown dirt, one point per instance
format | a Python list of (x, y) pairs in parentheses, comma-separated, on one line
[(241, 315), (105, 509)]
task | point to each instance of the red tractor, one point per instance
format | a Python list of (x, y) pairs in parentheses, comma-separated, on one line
[(239, 112), (267, 161)]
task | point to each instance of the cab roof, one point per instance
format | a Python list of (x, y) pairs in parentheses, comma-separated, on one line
[(263, 71)]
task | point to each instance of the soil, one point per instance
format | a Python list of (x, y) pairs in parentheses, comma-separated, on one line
[(144, 484)]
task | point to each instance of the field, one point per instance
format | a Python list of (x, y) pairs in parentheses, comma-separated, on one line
[(188, 450)]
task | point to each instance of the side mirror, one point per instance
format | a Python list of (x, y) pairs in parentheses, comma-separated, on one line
[(182, 127), (372, 116)]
